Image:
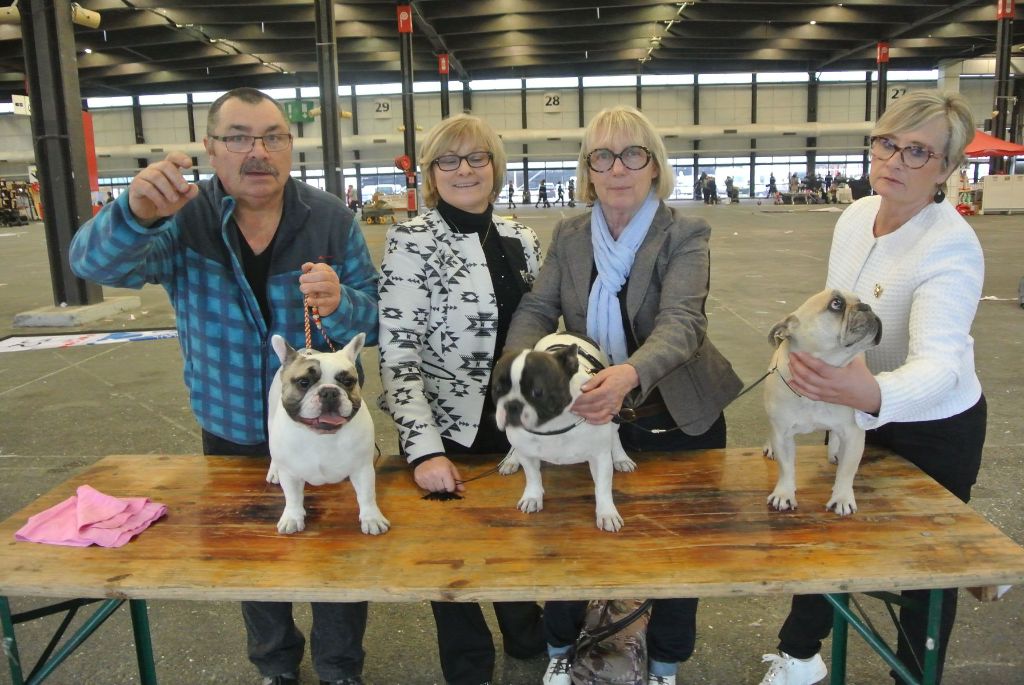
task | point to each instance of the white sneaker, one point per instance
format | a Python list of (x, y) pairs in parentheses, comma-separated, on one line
[(787, 670), (661, 680), (557, 672)]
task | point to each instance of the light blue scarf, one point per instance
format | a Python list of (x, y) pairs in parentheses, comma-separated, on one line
[(614, 259)]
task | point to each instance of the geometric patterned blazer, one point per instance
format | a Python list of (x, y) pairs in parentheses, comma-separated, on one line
[(438, 319)]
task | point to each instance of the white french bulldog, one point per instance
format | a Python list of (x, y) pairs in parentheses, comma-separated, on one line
[(533, 390), (320, 432), (835, 327)]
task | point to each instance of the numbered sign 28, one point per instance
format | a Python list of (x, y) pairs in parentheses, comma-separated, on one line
[(382, 108), (552, 102)]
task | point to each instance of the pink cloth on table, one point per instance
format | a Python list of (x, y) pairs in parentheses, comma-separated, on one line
[(91, 518)]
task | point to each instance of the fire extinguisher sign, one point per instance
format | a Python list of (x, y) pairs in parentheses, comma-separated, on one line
[(405, 18)]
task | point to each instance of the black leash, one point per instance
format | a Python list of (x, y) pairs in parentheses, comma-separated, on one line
[(444, 495)]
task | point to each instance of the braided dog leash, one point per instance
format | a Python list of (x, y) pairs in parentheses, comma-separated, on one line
[(311, 311)]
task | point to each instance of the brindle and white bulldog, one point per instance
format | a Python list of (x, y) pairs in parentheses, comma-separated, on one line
[(320, 431), (835, 327)]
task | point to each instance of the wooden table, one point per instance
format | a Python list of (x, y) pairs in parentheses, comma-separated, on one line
[(696, 525)]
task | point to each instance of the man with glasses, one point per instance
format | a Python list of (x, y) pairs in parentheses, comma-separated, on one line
[(241, 255)]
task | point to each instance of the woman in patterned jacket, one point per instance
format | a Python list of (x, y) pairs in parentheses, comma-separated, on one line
[(452, 279)]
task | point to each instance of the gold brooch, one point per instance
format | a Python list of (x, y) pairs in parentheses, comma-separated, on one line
[(878, 290)]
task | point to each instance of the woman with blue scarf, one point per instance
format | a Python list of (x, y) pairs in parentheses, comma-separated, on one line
[(633, 274)]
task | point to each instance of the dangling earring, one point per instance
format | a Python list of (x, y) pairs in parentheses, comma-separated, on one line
[(940, 195)]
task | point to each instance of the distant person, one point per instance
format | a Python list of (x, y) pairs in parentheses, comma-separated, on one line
[(511, 195), (828, 181), (560, 191), (773, 189), (110, 197), (542, 195), (572, 192), (350, 198)]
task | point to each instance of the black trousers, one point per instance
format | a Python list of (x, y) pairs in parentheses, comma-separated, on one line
[(672, 631), (465, 645), (949, 450), (275, 644)]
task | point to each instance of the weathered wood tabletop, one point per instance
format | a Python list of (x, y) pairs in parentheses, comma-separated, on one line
[(696, 524)]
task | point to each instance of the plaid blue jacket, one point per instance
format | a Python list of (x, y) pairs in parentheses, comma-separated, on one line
[(224, 339)]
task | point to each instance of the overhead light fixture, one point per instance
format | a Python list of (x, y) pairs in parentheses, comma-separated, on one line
[(88, 51), (79, 15), (84, 17), (813, 22), (10, 14)]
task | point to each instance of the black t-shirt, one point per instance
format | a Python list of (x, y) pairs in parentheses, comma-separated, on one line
[(257, 268)]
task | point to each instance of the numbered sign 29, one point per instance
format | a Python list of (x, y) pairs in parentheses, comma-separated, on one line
[(382, 108), (552, 102)]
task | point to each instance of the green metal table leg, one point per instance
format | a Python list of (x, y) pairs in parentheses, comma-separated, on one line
[(840, 636), (874, 640), (75, 641), (10, 643), (931, 645), (143, 643)]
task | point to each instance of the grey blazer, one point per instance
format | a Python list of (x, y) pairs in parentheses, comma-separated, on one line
[(665, 297)]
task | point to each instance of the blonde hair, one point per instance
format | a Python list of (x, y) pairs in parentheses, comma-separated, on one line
[(631, 124), (917, 108), (447, 136)]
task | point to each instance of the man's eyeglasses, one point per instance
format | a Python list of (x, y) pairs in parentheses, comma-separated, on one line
[(453, 162), (913, 156), (240, 142), (634, 158)]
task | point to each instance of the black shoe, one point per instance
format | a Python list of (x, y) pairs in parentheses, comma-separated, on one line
[(284, 679)]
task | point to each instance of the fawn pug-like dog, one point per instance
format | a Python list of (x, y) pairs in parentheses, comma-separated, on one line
[(533, 390), (321, 431), (835, 327)]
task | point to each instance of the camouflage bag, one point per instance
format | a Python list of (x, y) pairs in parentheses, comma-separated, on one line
[(612, 647)]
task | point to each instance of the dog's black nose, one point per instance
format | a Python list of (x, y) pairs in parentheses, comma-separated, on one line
[(863, 307), (513, 412), (330, 398)]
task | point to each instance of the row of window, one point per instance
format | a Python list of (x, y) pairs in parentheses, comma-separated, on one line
[(749, 183), (516, 84)]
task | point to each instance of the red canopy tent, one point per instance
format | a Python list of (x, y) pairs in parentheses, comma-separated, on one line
[(985, 145)]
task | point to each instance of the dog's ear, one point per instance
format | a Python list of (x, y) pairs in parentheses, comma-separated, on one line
[(354, 347), (782, 330), (284, 351), (568, 358)]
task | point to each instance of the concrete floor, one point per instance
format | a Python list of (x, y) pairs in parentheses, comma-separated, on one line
[(63, 409)]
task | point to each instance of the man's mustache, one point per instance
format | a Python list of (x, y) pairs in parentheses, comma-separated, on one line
[(258, 166)]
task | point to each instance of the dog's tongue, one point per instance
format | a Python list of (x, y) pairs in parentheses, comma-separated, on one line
[(332, 419)]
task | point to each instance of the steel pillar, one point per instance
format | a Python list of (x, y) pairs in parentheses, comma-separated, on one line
[(327, 79), (58, 140)]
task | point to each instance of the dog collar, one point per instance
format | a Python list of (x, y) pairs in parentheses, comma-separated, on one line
[(558, 431)]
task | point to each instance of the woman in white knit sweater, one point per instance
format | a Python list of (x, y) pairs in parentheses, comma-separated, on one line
[(913, 258)]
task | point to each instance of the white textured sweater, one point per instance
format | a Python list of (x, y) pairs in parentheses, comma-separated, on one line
[(924, 281)]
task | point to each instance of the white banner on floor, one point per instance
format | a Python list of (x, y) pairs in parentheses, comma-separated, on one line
[(49, 342)]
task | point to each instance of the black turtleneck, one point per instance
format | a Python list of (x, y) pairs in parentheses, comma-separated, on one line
[(507, 295)]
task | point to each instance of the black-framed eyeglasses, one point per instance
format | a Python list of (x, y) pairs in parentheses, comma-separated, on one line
[(242, 142), (913, 156), (634, 158), (452, 162)]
